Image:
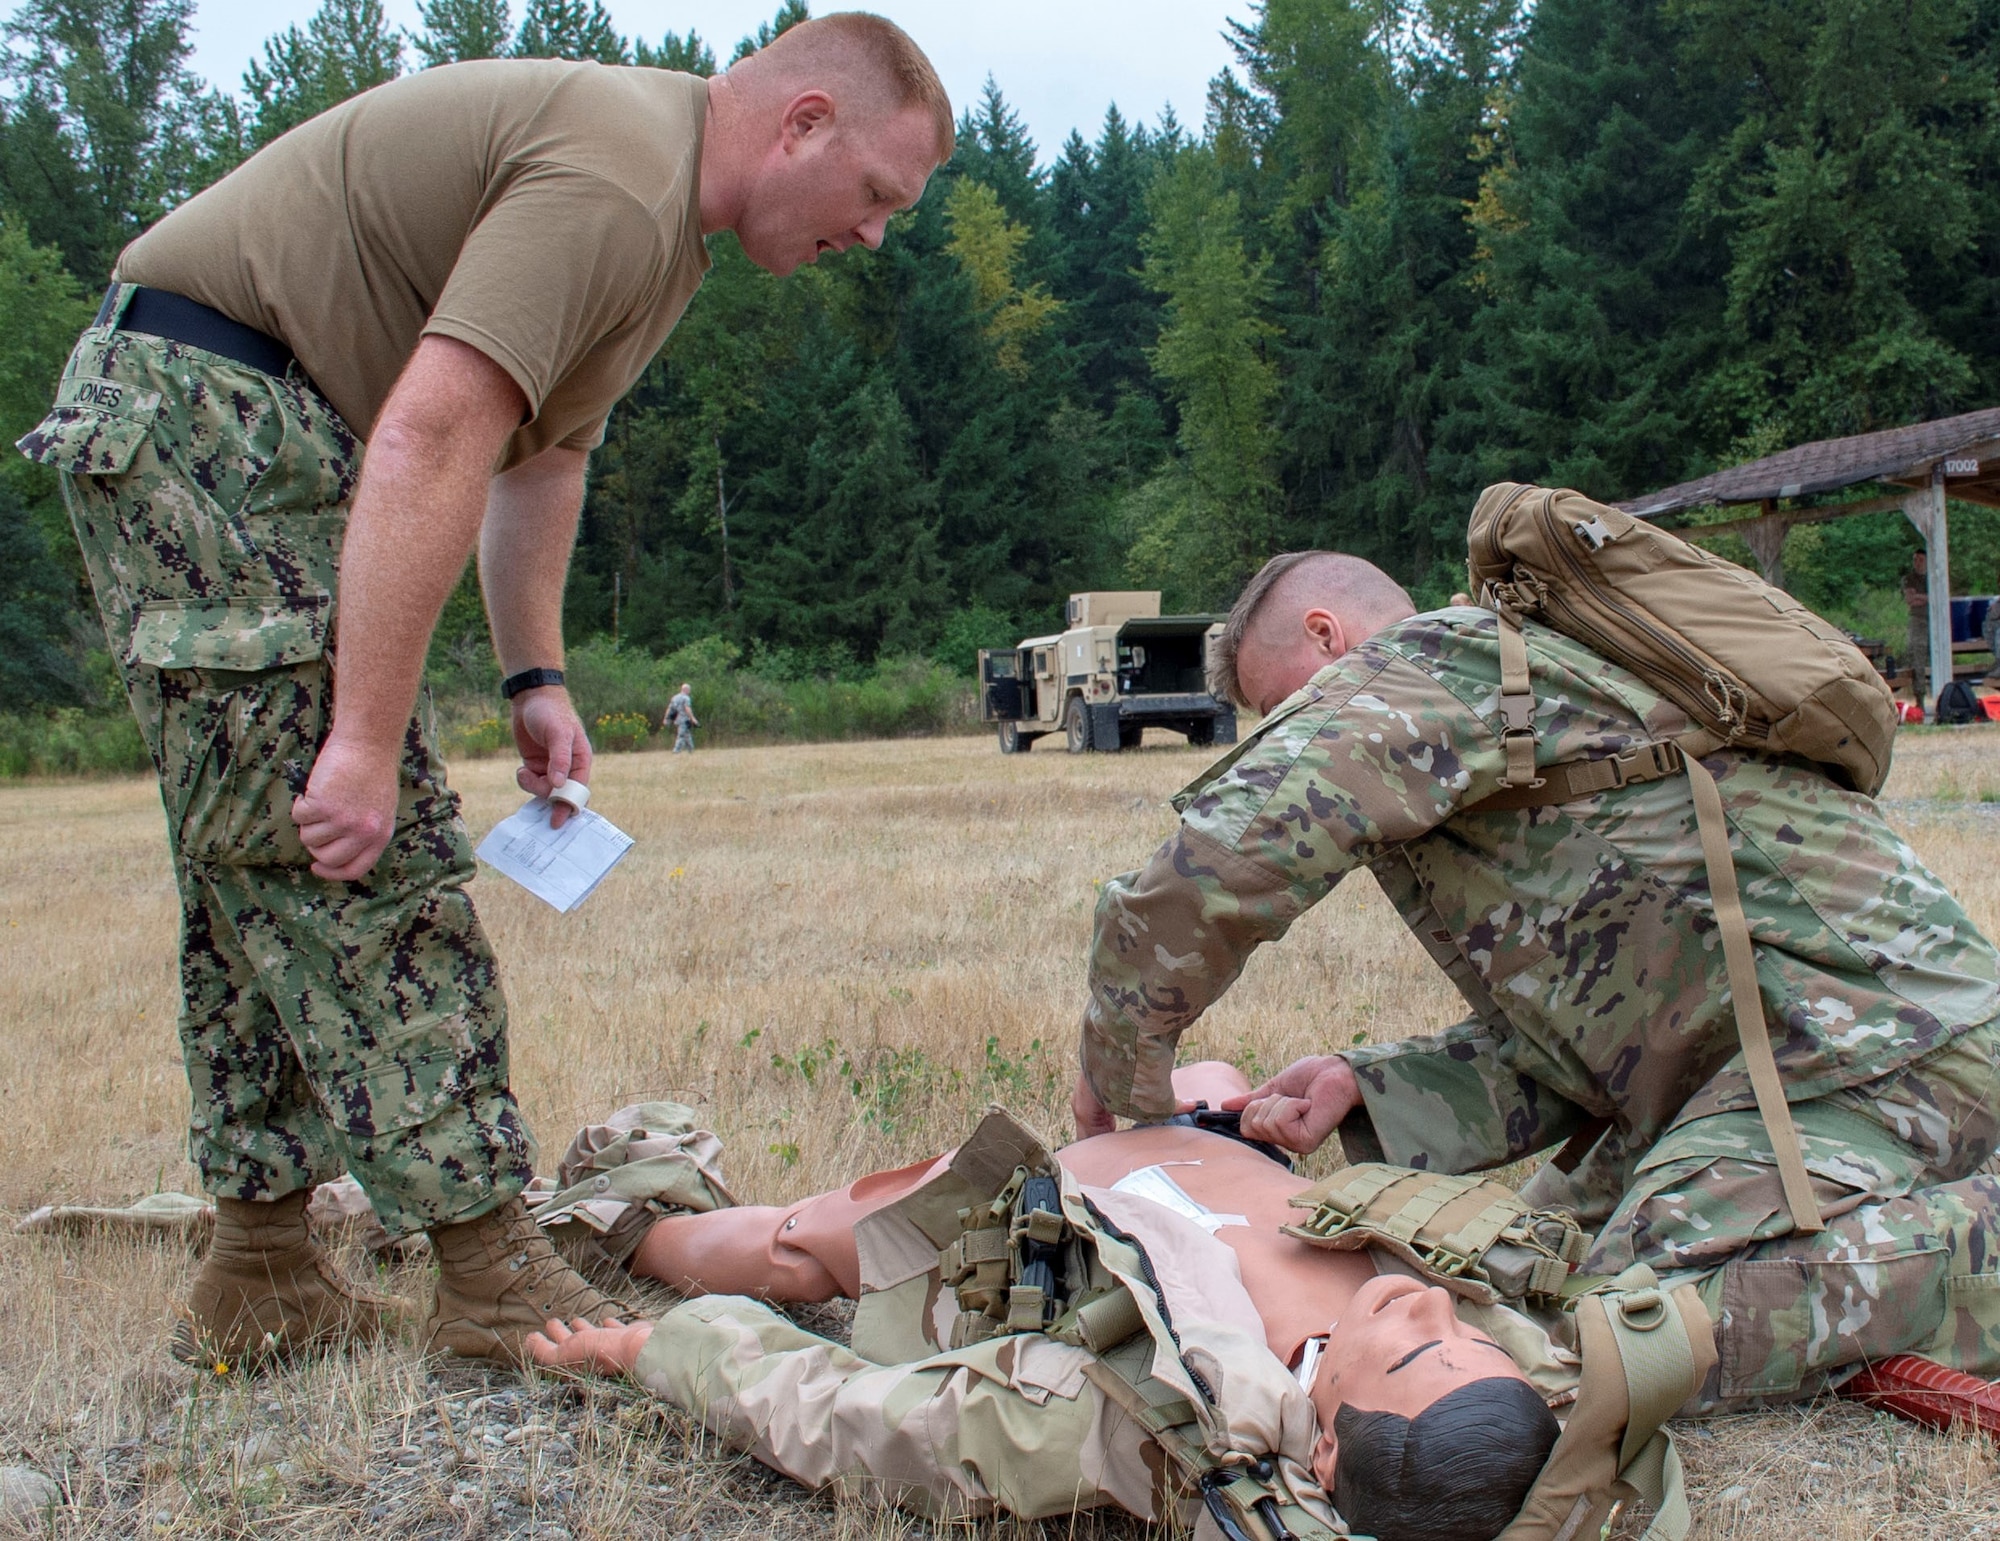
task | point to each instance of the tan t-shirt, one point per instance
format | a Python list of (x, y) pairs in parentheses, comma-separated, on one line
[(544, 212)]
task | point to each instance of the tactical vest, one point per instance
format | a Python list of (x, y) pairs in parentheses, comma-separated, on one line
[(1020, 1248)]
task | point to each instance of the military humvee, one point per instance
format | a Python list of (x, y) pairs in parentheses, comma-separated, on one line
[(1121, 667)]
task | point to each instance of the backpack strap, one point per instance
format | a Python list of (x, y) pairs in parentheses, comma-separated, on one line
[(1569, 780), (1518, 733), (1748, 1000)]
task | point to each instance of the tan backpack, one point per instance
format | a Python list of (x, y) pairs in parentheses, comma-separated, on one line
[(1745, 660), (1750, 664)]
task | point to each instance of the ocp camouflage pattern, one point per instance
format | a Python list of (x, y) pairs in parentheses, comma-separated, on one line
[(1584, 940), (1582, 935), (325, 1026), (1907, 1260)]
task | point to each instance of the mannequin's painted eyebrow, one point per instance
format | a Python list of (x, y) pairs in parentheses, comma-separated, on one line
[(1420, 1348)]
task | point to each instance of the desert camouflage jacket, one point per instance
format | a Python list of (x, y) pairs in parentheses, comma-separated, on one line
[(1582, 935)]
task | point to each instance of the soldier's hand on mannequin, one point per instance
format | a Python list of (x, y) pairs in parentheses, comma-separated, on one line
[(348, 809), (584, 1346), (1301, 1105), (554, 747)]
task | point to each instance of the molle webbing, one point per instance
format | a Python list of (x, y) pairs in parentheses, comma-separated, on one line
[(1473, 1236), (1020, 1265)]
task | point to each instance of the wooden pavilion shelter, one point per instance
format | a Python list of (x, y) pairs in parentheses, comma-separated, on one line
[(1950, 457)]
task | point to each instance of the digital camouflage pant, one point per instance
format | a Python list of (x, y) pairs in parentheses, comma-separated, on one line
[(325, 1025), (1909, 1259)]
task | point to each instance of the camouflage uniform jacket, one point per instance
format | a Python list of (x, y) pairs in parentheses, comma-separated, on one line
[(1582, 935)]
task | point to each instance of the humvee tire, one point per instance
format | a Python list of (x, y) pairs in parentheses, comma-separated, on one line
[(1206, 732), (1076, 726), (1013, 740)]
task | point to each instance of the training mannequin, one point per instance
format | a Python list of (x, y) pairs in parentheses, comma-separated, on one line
[(1391, 1359)]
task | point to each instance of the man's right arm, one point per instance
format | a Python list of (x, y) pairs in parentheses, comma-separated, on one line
[(416, 514)]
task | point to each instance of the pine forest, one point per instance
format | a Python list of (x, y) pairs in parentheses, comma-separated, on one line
[(1413, 247)]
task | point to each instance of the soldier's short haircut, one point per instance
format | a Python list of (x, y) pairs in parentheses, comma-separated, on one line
[(875, 44), (1347, 579), (1458, 1471)]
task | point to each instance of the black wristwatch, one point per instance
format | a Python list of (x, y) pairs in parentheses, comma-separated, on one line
[(529, 679)]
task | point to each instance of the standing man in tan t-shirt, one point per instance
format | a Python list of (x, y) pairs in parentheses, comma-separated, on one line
[(464, 270)]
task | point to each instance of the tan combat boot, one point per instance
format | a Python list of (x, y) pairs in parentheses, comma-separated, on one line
[(498, 1281), (267, 1288)]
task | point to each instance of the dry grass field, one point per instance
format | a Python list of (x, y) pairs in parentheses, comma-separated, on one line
[(840, 953)]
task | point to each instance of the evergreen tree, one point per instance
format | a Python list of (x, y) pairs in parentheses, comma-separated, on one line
[(688, 54), (347, 47), (108, 128), (1602, 300), (790, 13), (1209, 521), (462, 29), (1851, 170), (42, 308), (1097, 215), (569, 29), (993, 145)]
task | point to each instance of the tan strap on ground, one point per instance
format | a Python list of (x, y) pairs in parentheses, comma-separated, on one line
[(1644, 1351), (1748, 1000), (1655, 1474)]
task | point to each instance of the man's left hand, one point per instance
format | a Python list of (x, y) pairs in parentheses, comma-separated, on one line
[(554, 747)]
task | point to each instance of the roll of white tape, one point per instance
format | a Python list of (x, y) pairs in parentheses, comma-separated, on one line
[(575, 793)]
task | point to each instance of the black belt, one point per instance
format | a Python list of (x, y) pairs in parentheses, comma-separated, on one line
[(1230, 1127), (180, 319)]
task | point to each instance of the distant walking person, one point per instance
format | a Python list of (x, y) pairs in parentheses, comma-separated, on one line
[(680, 712), (465, 268)]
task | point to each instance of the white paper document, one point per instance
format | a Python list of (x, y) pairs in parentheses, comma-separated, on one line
[(1152, 1182), (561, 866)]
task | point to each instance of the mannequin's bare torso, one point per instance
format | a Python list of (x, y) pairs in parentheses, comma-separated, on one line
[(1298, 1290), (806, 1251)]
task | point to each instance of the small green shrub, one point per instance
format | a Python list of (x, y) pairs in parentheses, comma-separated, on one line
[(71, 742), (621, 731), (480, 739)]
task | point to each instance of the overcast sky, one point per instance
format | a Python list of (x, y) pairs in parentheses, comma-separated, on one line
[(1060, 62)]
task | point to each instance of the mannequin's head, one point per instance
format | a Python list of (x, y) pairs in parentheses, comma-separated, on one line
[(1428, 1430)]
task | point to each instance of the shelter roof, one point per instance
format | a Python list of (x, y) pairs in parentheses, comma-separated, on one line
[(1905, 456)]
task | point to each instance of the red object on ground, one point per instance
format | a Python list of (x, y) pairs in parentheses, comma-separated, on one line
[(1926, 1392), (1990, 705), (1909, 711)]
